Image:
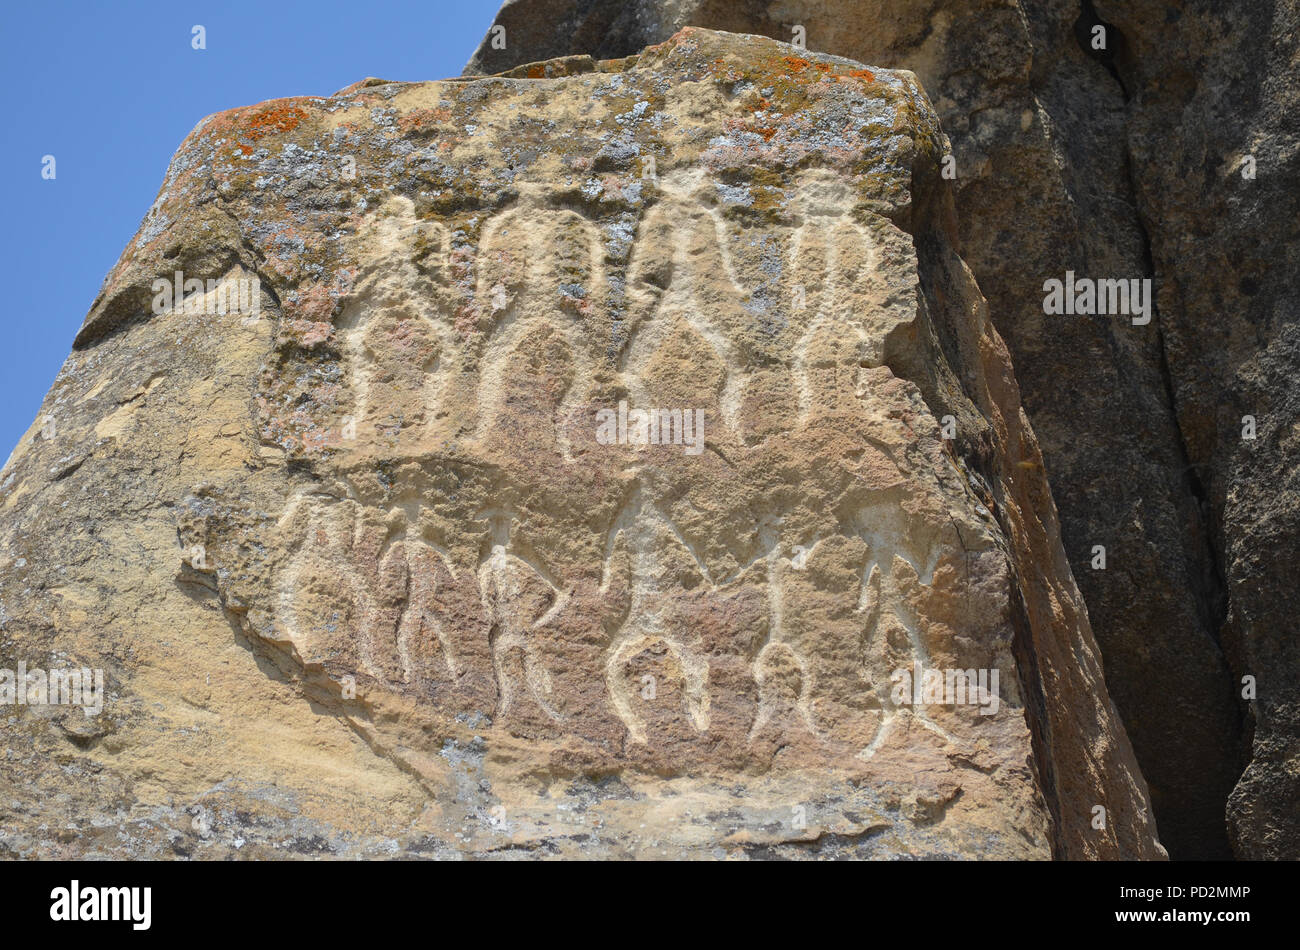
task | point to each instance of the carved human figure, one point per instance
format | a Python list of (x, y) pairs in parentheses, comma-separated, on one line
[(655, 559), (520, 595), (400, 351), (540, 279)]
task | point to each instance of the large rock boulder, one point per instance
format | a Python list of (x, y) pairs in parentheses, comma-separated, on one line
[(372, 534), (1109, 141)]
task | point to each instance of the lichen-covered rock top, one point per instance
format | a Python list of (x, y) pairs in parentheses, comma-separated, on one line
[(394, 564), (459, 149)]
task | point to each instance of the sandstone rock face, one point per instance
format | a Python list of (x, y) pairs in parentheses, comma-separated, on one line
[(386, 567), (1118, 162)]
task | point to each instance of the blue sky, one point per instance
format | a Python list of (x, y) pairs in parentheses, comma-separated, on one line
[(111, 87)]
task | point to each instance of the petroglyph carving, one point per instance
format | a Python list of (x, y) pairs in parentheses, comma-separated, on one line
[(657, 558), (320, 566), (399, 349), (896, 558), (520, 595), (540, 276), (832, 258), (781, 673), (363, 586), (682, 276), (540, 272)]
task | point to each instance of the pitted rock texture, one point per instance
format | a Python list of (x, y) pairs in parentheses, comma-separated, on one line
[(368, 576), (1118, 162), (1211, 86)]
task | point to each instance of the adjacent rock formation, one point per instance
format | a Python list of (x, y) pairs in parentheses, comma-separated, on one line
[(1212, 99), (371, 536), (1111, 142)]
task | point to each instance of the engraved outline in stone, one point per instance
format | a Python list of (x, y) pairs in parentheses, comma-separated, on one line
[(643, 624), (385, 288), (498, 577), (776, 565), (878, 591), (679, 299), (538, 230), (825, 224), (338, 520)]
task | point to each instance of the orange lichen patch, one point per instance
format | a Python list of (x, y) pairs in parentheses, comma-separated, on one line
[(316, 305), (866, 74), (318, 440), (270, 121), (251, 123), (537, 71), (766, 133), (274, 119), (726, 71), (345, 279), (408, 344), (788, 82)]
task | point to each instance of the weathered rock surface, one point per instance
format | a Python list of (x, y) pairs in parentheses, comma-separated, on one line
[(367, 578), (1213, 97), (1118, 162)]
